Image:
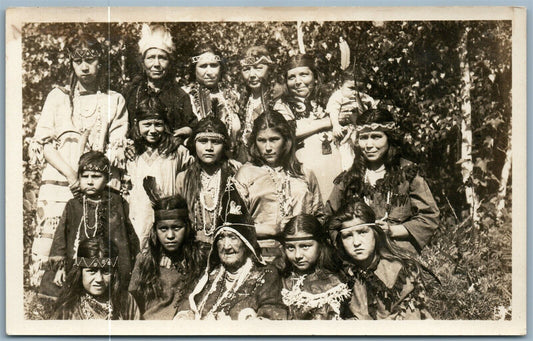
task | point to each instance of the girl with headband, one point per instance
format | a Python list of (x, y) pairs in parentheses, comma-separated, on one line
[(81, 116), (385, 281), (203, 183), (390, 185), (93, 290)]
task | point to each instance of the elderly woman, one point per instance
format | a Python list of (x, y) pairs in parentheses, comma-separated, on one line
[(84, 115), (203, 183), (389, 184), (92, 290), (303, 104), (208, 94), (256, 67), (156, 50), (274, 184)]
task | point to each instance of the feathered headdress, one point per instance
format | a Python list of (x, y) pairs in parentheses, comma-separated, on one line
[(167, 208), (156, 36)]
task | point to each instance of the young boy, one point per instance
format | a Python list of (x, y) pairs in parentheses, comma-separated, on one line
[(97, 212), (341, 109)]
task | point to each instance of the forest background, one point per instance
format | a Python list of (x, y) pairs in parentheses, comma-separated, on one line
[(448, 83)]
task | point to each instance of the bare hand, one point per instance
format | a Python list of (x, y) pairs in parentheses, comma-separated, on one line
[(129, 152), (338, 132), (59, 278), (384, 226)]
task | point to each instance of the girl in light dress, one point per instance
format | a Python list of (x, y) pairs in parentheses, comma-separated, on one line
[(157, 154), (81, 116)]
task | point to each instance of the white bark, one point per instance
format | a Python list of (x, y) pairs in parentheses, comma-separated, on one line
[(467, 165), (506, 171)]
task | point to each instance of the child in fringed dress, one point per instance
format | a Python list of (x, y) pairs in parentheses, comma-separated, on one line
[(98, 212), (312, 288)]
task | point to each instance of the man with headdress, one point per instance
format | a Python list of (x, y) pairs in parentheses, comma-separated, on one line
[(156, 50), (236, 285)]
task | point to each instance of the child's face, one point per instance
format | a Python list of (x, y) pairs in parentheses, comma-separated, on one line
[(152, 130), (92, 183), (96, 280), (209, 150), (303, 254), (358, 241), (170, 233), (348, 88)]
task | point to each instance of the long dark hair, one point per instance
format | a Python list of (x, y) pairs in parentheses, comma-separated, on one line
[(384, 247), (192, 180), (354, 178), (188, 256), (150, 106), (318, 93), (327, 258), (73, 289), (202, 48), (89, 42), (275, 121)]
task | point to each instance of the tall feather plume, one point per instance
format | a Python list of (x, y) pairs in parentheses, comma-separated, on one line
[(361, 105)]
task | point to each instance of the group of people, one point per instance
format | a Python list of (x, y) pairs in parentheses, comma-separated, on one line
[(200, 202)]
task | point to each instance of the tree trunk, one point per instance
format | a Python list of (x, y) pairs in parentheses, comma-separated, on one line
[(467, 165), (506, 171)]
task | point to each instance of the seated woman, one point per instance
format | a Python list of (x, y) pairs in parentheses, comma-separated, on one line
[(237, 284), (274, 184), (204, 181), (165, 271), (92, 289), (385, 280), (389, 184), (312, 288)]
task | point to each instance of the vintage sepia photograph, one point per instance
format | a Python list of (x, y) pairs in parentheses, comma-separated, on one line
[(245, 171)]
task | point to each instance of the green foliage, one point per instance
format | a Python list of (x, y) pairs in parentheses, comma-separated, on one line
[(412, 67)]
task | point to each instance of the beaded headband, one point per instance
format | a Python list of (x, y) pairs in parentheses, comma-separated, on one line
[(95, 168), (376, 126), (209, 135), (215, 58), (96, 262), (254, 61), (83, 53)]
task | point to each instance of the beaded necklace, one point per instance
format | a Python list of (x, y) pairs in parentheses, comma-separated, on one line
[(211, 188), (229, 290), (91, 308)]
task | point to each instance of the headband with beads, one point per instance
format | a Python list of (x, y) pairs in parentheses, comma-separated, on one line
[(195, 59), (248, 61), (104, 262), (209, 135), (389, 126), (83, 54), (95, 168)]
